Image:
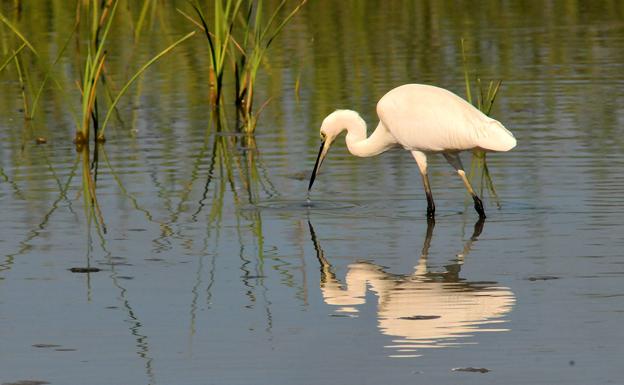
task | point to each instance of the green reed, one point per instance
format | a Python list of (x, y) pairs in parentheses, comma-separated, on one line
[(245, 52), (485, 97), (219, 40), (94, 22), (22, 72), (257, 39), (100, 21)]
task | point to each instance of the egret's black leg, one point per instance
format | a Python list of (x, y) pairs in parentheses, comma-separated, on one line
[(430, 206), (455, 161), (421, 160), (430, 203), (478, 205)]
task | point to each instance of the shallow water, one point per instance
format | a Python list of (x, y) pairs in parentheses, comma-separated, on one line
[(213, 268)]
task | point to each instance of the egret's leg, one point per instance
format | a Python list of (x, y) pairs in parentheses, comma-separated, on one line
[(421, 160), (455, 161)]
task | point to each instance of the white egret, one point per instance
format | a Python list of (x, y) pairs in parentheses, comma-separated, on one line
[(422, 119)]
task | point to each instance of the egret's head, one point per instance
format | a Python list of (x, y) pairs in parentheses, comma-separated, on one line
[(331, 127)]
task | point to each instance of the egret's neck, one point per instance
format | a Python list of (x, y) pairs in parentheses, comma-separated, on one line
[(357, 143)]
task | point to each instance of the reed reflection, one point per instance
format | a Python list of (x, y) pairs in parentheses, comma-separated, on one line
[(422, 309)]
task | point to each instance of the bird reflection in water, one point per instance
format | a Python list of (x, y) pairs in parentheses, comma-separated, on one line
[(424, 309)]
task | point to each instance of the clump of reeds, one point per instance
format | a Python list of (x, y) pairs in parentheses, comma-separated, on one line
[(258, 37), (100, 16), (219, 42), (244, 48), (484, 101), (94, 21)]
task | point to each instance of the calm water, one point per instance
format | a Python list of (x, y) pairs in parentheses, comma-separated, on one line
[(213, 271)]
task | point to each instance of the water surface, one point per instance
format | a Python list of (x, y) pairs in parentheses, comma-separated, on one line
[(213, 270)]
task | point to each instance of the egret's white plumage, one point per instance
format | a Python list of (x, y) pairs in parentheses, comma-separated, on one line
[(422, 119)]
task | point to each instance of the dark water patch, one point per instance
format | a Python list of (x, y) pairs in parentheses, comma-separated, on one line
[(542, 278), (65, 350), (420, 317), (84, 269), (603, 295), (113, 263), (301, 175), (26, 382), (46, 346), (471, 370), (237, 134)]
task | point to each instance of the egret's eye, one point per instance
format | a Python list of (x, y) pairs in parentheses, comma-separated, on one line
[(323, 136)]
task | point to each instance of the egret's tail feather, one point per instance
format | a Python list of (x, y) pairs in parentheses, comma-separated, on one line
[(497, 137)]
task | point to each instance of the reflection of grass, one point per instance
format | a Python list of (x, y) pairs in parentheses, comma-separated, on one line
[(25, 244), (91, 205), (485, 98)]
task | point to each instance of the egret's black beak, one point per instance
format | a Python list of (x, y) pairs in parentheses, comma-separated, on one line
[(319, 160)]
